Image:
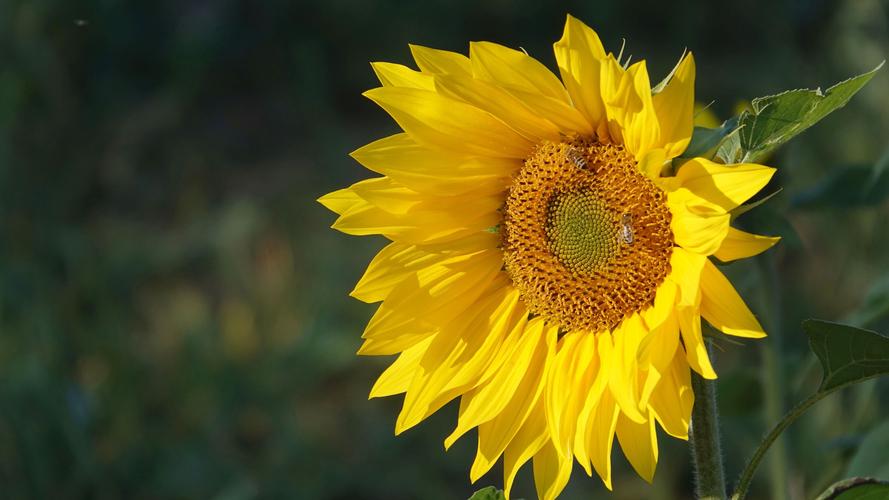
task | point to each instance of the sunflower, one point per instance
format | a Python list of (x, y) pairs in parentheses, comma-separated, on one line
[(545, 266)]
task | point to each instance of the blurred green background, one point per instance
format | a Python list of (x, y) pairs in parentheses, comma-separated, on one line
[(174, 318)]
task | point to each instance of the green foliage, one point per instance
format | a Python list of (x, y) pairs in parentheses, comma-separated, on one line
[(847, 354), (857, 488), (870, 457), (704, 139), (488, 493), (730, 147), (776, 119)]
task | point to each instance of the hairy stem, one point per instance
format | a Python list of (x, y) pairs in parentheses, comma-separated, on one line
[(704, 438)]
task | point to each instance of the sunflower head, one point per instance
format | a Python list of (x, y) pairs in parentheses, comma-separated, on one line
[(542, 267)]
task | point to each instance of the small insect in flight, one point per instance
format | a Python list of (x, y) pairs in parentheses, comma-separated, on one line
[(626, 229)]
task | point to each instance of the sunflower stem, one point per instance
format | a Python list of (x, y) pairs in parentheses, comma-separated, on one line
[(704, 437)]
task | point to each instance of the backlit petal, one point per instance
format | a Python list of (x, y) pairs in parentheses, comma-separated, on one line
[(430, 171), (740, 245), (452, 126), (579, 54), (674, 106), (397, 75), (723, 308), (551, 472), (530, 438), (693, 339), (639, 444), (438, 61), (725, 186), (515, 70)]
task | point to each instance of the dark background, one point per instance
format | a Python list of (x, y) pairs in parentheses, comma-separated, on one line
[(173, 312)]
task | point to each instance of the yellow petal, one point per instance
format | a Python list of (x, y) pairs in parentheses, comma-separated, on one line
[(495, 435), (664, 303), (579, 54), (456, 356), (406, 337), (641, 130), (625, 367), (674, 107), (397, 378), (416, 227), (430, 171), (486, 401), (404, 215), (740, 245), (574, 369), (501, 104), (442, 292), (514, 70), (656, 353), (465, 353), (652, 163), (397, 75), (600, 437), (601, 356), (388, 195), (448, 125), (559, 384), (685, 271), (551, 472), (341, 201), (723, 308), (639, 443), (389, 268), (672, 400), (725, 186), (697, 232), (530, 438), (615, 90), (693, 339), (440, 61), (564, 116)]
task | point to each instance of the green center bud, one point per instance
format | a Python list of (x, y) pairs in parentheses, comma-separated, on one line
[(581, 232)]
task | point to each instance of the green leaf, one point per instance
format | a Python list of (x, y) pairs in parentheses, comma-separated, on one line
[(704, 140), (857, 488), (488, 493), (870, 458), (729, 150), (776, 119), (847, 354)]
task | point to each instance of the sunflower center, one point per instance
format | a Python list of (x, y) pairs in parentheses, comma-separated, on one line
[(586, 236), (580, 231)]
